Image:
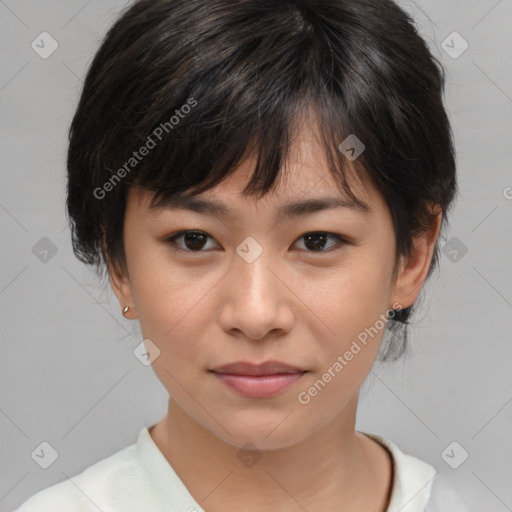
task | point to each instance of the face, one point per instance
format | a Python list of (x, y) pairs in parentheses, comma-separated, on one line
[(253, 285)]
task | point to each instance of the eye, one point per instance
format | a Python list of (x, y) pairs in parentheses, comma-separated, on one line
[(194, 241), (315, 240)]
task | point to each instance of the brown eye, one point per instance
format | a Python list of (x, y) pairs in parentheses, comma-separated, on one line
[(316, 241), (192, 241)]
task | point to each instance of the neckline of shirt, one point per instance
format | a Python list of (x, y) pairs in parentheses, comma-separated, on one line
[(412, 477)]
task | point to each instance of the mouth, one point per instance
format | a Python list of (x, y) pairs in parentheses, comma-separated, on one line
[(258, 380), (252, 369)]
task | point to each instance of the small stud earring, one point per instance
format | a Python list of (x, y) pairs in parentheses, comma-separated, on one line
[(125, 310)]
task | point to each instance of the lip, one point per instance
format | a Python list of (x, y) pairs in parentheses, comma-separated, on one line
[(247, 368), (258, 380)]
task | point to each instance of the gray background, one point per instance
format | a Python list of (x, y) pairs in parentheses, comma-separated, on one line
[(67, 372)]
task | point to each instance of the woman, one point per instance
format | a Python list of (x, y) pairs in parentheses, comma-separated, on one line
[(264, 183)]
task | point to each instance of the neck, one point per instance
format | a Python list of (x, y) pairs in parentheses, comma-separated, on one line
[(335, 467)]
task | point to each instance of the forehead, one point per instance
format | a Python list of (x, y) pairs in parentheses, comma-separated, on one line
[(304, 178), (227, 202)]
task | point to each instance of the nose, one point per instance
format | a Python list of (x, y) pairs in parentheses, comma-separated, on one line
[(257, 300)]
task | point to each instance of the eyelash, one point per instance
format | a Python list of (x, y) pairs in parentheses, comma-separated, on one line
[(341, 241)]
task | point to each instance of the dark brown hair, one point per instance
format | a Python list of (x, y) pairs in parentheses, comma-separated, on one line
[(201, 84)]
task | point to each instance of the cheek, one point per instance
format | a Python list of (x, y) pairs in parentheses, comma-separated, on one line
[(172, 308), (352, 304), (350, 298), (355, 311)]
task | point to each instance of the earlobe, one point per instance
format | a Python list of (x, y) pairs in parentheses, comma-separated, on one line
[(121, 287), (414, 269), (120, 282)]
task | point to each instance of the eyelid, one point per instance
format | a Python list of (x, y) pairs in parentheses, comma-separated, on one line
[(341, 241)]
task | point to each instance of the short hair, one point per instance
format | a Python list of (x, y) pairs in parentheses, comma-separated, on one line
[(202, 84)]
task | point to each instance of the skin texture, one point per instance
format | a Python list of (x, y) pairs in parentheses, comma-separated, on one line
[(295, 305)]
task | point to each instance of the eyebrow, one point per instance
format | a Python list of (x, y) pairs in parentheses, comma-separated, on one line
[(293, 209)]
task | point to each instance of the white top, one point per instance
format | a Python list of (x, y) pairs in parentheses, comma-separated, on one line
[(139, 478)]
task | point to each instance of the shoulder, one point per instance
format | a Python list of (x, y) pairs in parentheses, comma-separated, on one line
[(118, 480), (417, 486), (444, 498)]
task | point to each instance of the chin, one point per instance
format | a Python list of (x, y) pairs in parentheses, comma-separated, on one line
[(268, 434)]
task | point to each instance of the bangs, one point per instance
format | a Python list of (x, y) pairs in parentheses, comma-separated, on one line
[(267, 141)]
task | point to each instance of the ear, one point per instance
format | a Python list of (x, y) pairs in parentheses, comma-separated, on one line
[(414, 269), (120, 282)]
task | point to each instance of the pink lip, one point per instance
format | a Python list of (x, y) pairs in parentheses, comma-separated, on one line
[(258, 380), (259, 386)]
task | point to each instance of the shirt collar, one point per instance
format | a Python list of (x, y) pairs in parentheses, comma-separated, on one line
[(412, 479)]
